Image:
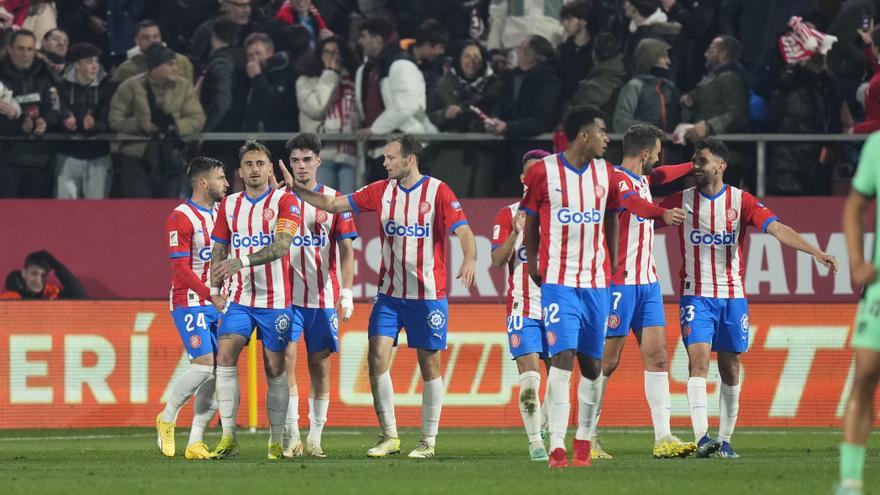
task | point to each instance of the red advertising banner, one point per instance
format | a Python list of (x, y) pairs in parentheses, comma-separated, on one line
[(102, 364), (116, 248)]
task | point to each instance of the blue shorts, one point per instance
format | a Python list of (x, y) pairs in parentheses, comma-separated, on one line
[(273, 325), (634, 307), (575, 319), (525, 336), (197, 327), (425, 320), (724, 323), (319, 325)]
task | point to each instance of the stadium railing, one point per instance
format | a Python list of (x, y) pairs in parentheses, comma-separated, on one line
[(760, 142)]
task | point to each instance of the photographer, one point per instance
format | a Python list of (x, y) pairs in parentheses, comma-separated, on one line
[(31, 281), (164, 106)]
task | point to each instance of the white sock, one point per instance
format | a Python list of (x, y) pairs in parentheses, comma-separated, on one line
[(432, 403), (529, 406), (228, 396), (588, 405), (204, 407), (291, 420), (558, 383), (729, 409), (602, 382), (317, 418), (277, 397), (383, 402), (545, 418), (699, 402), (657, 393), (186, 386)]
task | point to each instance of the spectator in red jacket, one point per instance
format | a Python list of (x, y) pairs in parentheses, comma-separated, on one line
[(871, 39), (303, 13)]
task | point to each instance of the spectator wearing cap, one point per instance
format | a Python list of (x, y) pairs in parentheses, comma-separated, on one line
[(200, 45), (576, 52), (148, 33), (83, 167), (178, 113), (650, 97), (427, 49), (54, 50)]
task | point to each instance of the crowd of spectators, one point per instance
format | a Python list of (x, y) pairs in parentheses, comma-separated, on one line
[(171, 70)]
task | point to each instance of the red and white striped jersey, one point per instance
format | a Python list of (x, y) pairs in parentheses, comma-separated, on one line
[(414, 224), (635, 252), (189, 229), (247, 225), (523, 296), (571, 205), (711, 239), (313, 279)]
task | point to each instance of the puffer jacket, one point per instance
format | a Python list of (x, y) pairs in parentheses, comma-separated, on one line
[(129, 105), (722, 100), (34, 89), (82, 100), (646, 97)]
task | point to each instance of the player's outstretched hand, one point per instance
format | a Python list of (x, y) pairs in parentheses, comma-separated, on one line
[(288, 177), (219, 302), (828, 260), (674, 217), (466, 273), (227, 268), (519, 222), (346, 304), (864, 273), (535, 274)]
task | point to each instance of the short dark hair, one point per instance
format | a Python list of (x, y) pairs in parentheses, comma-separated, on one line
[(378, 26), (253, 145), (259, 38), (144, 24), (304, 141), (22, 32), (226, 30), (640, 137), (409, 145), (49, 33), (715, 146), (81, 51), (432, 33), (731, 46), (645, 7), (37, 259), (201, 164), (579, 9), (536, 154), (541, 48), (579, 117)]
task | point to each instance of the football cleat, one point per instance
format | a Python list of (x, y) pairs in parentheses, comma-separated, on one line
[(558, 458), (292, 448), (671, 446), (165, 436), (275, 451), (848, 490), (384, 446), (198, 450), (581, 456), (707, 446), (226, 449), (313, 449), (423, 450), (537, 452), (596, 450), (726, 452)]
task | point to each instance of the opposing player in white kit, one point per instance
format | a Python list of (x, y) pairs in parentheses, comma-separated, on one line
[(255, 227), (416, 213), (713, 309), (315, 291), (636, 298), (189, 228), (567, 197), (525, 327)]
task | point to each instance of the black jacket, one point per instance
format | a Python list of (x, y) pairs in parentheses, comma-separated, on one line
[(535, 108), (80, 101), (272, 99), (33, 89), (224, 90)]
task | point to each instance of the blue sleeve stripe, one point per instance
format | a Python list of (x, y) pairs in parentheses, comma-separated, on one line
[(768, 222), (528, 211), (179, 255), (457, 225), (353, 203), (221, 241), (628, 194), (349, 235), (495, 246)]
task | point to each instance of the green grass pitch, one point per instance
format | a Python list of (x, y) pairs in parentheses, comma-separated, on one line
[(127, 461)]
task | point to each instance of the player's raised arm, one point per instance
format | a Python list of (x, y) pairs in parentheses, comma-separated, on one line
[(669, 173), (468, 269), (330, 204), (507, 229)]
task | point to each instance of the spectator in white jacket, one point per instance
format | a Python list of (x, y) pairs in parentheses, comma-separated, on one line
[(511, 21), (390, 89), (326, 97)]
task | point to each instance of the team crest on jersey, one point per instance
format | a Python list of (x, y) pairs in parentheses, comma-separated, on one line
[(551, 337), (436, 319), (424, 207), (268, 214), (600, 191), (173, 238), (334, 322), (744, 323), (613, 321), (282, 323), (622, 186), (321, 216), (195, 341), (515, 340), (731, 215)]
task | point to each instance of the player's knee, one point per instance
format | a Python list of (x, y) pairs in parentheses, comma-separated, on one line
[(609, 365), (656, 361)]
